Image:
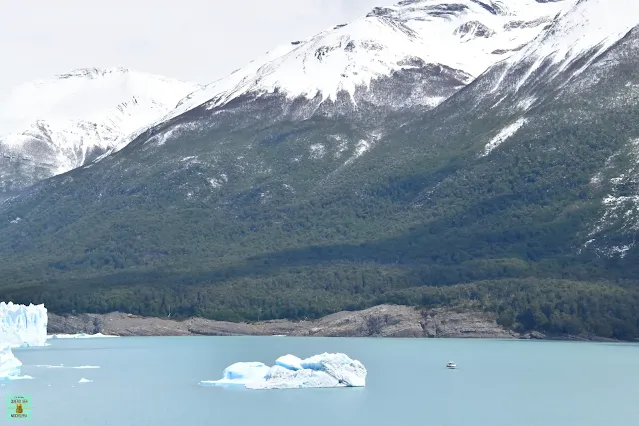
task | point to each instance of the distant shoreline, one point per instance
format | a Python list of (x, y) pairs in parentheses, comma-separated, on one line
[(378, 321)]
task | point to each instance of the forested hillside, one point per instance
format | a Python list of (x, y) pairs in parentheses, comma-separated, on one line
[(511, 196)]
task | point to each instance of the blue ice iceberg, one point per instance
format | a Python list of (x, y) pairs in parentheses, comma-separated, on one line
[(327, 370), (20, 325)]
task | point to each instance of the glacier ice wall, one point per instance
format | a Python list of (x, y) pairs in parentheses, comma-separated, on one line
[(20, 326)]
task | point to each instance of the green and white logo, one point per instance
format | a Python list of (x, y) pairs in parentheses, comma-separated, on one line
[(18, 407)]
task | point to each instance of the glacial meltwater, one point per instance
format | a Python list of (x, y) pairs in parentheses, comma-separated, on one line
[(153, 381)]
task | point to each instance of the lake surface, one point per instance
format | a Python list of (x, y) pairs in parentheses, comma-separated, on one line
[(154, 381)]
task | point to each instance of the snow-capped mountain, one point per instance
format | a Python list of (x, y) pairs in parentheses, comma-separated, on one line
[(461, 38), (414, 54), (273, 188), (51, 126), (576, 39)]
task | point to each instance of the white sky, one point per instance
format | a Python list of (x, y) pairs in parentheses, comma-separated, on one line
[(193, 40)]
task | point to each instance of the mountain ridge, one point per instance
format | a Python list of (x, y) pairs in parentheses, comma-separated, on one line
[(403, 33), (51, 126)]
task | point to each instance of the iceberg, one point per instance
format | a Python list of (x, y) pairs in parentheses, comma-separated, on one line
[(327, 370), (81, 367), (78, 336), (20, 326)]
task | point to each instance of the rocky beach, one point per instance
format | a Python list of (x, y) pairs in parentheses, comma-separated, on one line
[(378, 321)]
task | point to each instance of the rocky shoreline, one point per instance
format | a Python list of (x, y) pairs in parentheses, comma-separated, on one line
[(378, 321)]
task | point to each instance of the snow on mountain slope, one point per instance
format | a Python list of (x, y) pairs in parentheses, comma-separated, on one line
[(588, 24), (439, 46), (578, 36), (61, 123), (578, 70), (468, 35)]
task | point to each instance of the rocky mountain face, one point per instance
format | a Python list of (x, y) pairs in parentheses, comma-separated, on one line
[(513, 193), (49, 127)]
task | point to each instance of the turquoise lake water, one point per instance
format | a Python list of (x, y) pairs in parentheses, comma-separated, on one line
[(154, 381)]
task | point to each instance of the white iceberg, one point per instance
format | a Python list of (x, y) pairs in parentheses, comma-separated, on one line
[(78, 336), (327, 370), (81, 367), (20, 326), (83, 380)]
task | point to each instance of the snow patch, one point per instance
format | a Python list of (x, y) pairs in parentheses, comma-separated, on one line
[(620, 215), (526, 103), (360, 148), (317, 151), (342, 146), (215, 183), (503, 135), (172, 133)]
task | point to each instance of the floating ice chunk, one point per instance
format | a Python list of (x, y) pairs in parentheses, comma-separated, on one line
[(327, 370), (78, 336), (81, 367), (83, 380)]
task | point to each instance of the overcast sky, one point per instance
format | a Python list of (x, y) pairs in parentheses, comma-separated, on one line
[(193, 40)]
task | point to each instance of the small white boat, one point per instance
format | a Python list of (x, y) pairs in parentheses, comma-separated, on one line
[(451, 365)]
